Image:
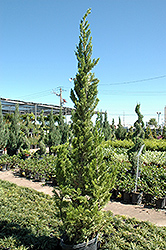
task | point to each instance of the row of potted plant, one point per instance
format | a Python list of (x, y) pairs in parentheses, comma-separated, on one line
[(39, 169), (152, 179), (151, 184)]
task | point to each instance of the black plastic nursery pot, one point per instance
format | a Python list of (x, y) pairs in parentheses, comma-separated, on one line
[(137, 198), (126, 197), (147, 198), (114, 194), (161, 203), (3, 167), (90, 245)]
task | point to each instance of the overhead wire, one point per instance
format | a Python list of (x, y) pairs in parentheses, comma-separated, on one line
[(49, 91), (135, 81)]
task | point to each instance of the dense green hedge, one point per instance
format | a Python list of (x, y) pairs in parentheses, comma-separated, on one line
[(153, 145), (28, 221)]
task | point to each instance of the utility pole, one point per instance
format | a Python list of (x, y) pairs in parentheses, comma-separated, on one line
[(158, 113), (62, 101), (123, 119)]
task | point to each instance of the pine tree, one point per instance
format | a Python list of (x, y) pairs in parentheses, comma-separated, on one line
[(84, 186), (3, 131)]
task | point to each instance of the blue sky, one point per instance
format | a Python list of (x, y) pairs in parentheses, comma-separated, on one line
[(38, 39)]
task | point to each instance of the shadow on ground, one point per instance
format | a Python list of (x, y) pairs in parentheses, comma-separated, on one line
[(13, 234)]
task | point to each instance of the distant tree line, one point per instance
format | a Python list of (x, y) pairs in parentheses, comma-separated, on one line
[(20, 132)]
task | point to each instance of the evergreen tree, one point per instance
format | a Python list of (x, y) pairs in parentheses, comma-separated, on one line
[(159, 132), (41, 119), (154, 133), (3, 131), (121, 131), (139, 133), (84, 178), (130, 133), (63, 128), (113, 129), (15, 137), (106, 128), (54, 136), (138, 139), (153, 122), (164, 132), (99, 124)]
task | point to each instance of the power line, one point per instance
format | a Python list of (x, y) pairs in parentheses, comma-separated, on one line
[(128, 93), (49, 91), (135, 81)]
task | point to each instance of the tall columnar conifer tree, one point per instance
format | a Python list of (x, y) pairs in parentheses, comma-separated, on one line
[(121, 131), (63, 128), (54, 136), (84, 178), (3, 131), (15, 138), (106, 128)]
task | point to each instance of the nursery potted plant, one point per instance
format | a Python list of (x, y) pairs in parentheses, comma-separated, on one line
[(4, 161), (84, 178)]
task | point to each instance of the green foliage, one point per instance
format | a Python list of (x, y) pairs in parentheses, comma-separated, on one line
[(127, 144), (27, 218), (29, 221), (15, 138), (113, 129), (153, 122), (137, 138), (63, 128), (155, 145), (148, 133), (106, 128), (83, 175), (152, 145), (153, 179), (128, 234), (164, 132), (3, 131), (130, 133), (41, 119), (39, 168), (120, 131), (54, 136)]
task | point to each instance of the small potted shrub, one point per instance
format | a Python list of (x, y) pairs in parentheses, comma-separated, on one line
[(4, 162), (84, 178)]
